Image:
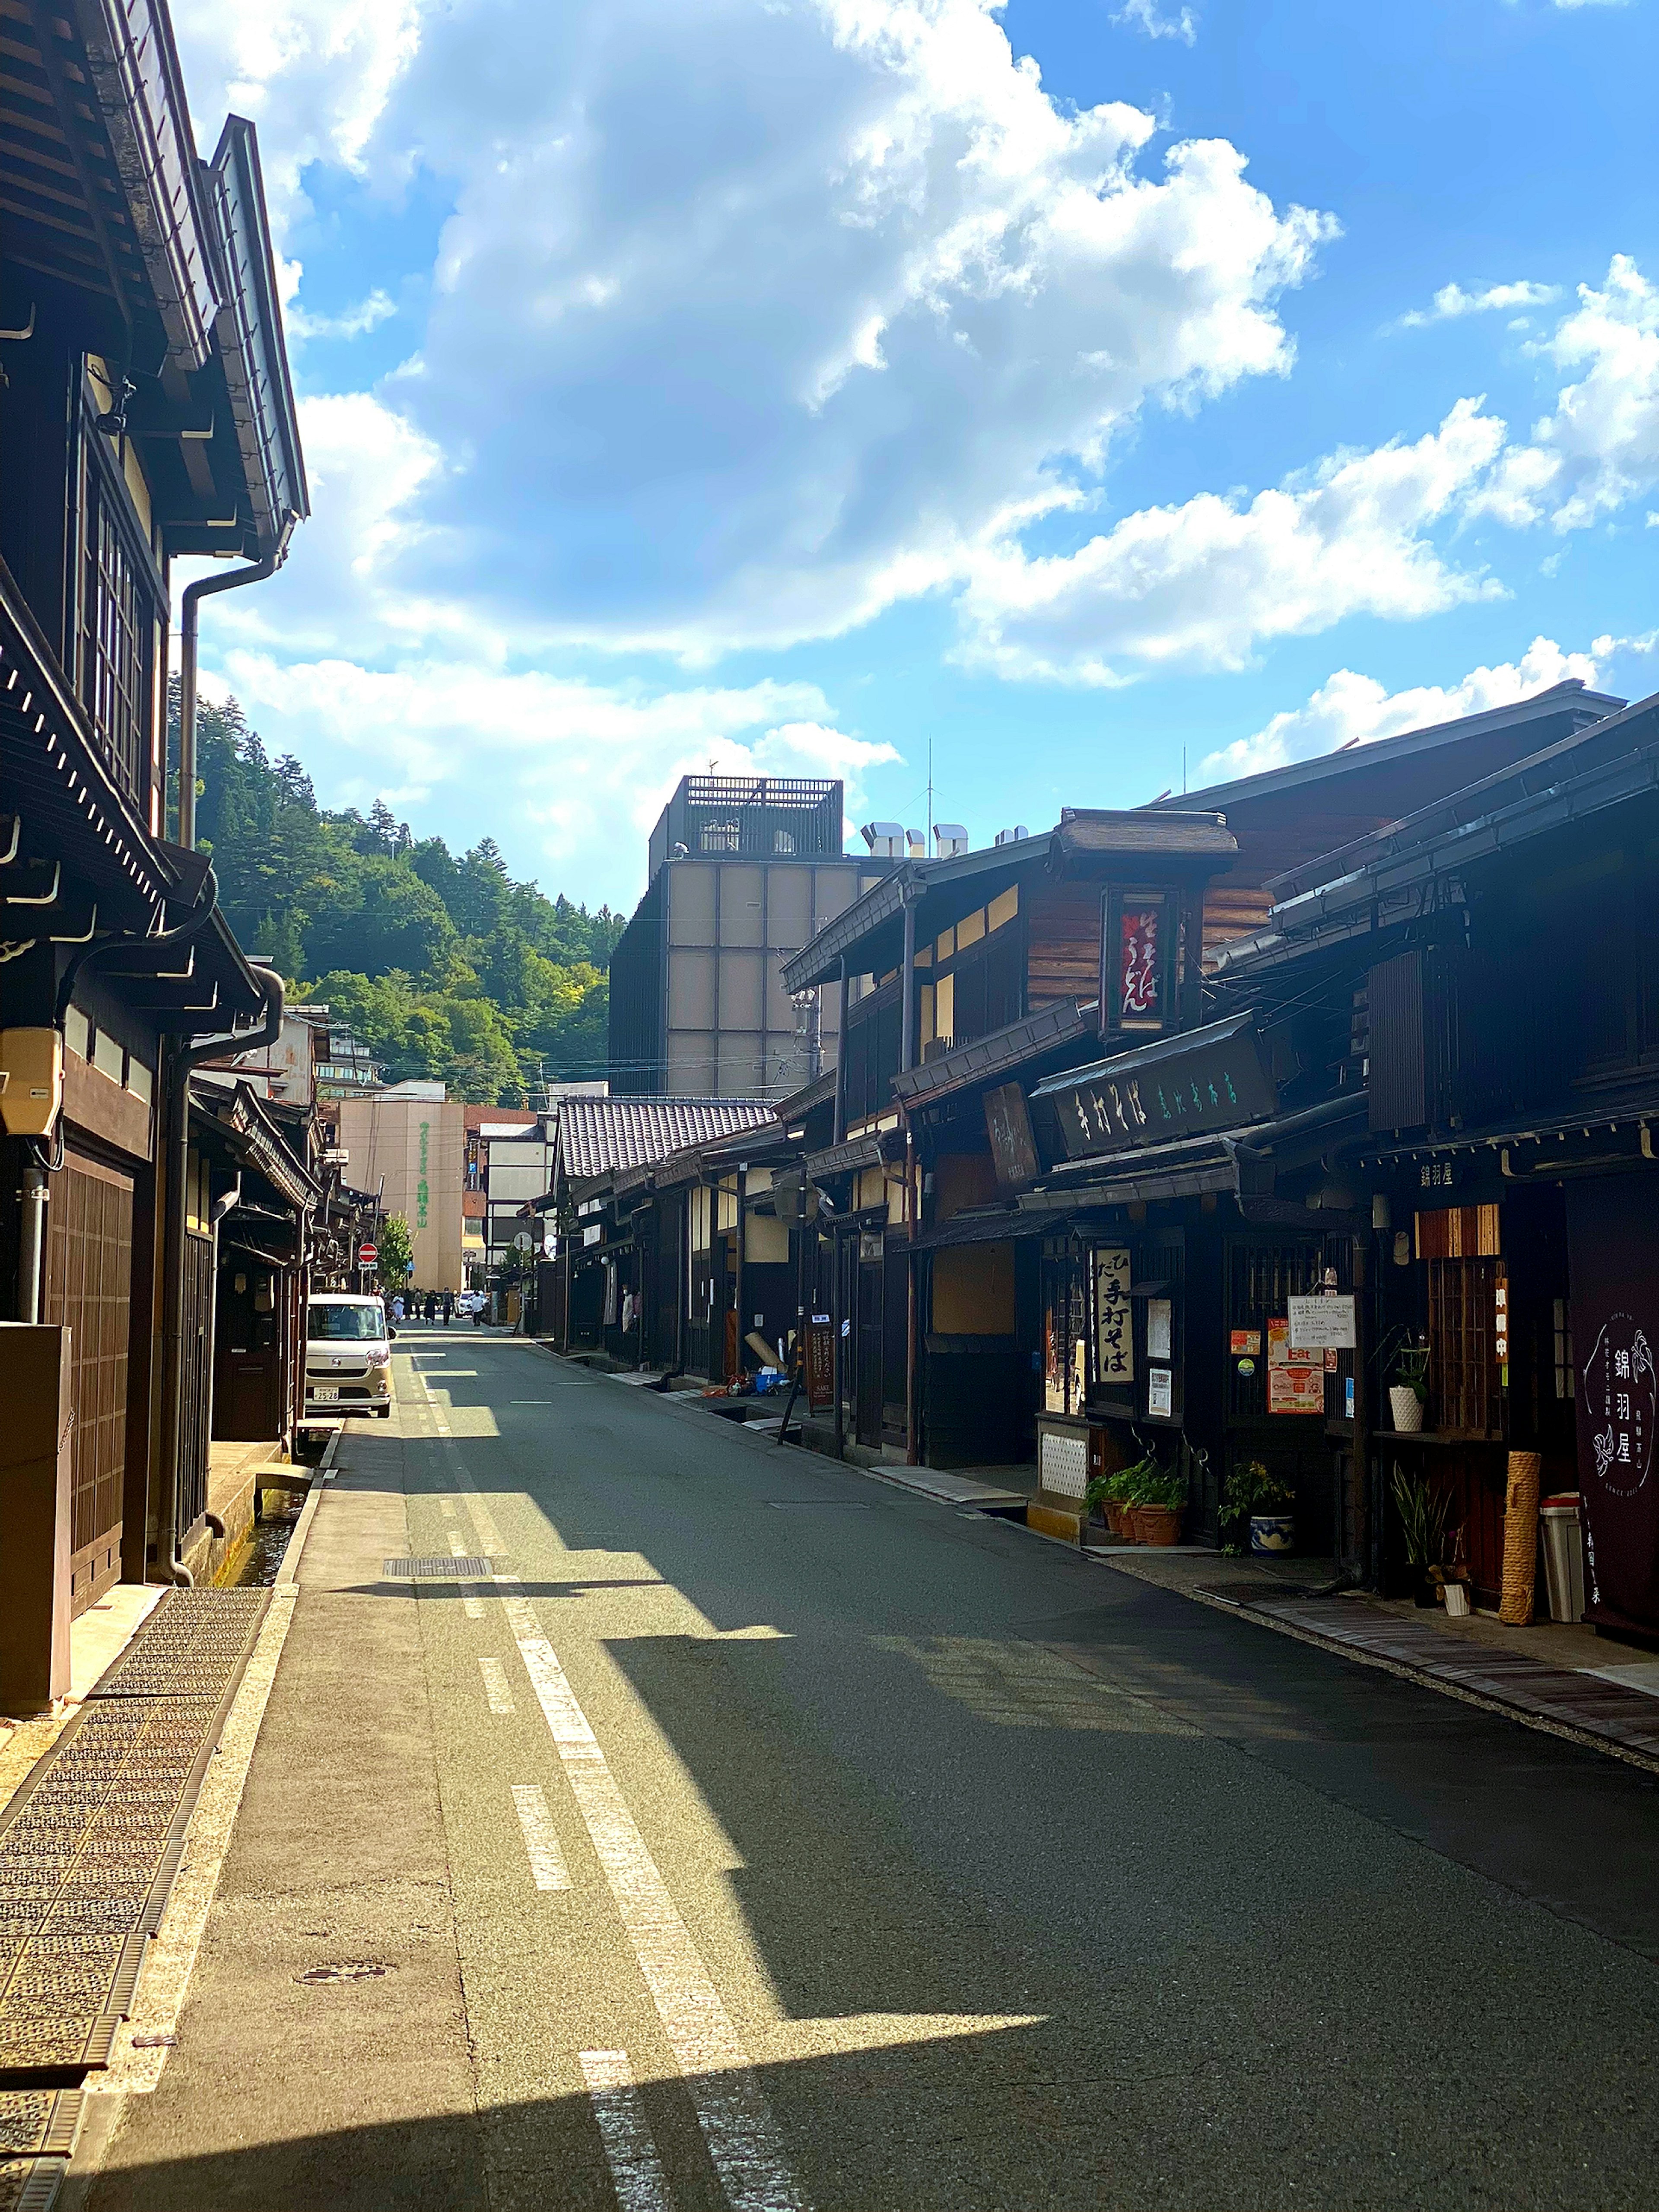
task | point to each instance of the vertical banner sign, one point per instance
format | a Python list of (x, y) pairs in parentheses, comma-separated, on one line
[(1115, 1339), (1613, 1248), (1138, 964)]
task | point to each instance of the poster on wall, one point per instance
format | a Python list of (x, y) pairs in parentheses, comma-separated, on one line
[(1160, 1392), (1296, 1381), (1160, 1328), (1613, 1250), (1114, 1341)]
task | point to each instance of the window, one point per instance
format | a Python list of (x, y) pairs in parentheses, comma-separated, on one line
[(115, 650), (1463, 1377)]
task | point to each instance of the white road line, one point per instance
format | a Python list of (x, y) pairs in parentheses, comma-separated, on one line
[(636, 2170), (736, 2120), (540, 1837), (732, 2110), (494, 1682)]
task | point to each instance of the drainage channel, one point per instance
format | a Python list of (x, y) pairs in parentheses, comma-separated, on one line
[(88, 1849)]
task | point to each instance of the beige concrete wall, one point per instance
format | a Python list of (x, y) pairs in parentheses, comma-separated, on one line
[(418, 1147)]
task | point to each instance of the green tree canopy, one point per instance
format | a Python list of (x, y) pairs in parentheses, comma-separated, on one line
[(445, 965)]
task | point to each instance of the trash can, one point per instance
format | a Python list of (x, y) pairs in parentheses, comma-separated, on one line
[(1563, 1555)]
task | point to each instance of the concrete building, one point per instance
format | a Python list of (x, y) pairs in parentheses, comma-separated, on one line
[(407, 1144), (744, 872)]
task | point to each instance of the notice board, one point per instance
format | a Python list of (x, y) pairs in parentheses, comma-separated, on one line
[(1613, 1248)]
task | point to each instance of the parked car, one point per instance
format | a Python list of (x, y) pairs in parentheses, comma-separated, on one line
[(470, 1301), (348, 1355)]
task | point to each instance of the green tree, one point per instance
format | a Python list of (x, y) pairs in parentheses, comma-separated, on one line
[(397, 1252)]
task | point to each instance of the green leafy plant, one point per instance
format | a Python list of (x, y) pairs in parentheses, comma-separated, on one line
[(1412, 1370), (1251, 1488), (1124, 1486), (1422, 1512), (395, 1250), (1166, 1487)]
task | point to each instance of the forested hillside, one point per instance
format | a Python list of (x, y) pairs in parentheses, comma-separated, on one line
[(444, 964)]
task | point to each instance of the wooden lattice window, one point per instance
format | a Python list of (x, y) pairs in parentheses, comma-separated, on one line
[(116, 646), (1462, 1348)]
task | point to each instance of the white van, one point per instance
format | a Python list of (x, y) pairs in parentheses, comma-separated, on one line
[(348, 1355)]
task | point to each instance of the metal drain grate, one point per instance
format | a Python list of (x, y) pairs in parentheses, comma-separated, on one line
[(445, 1569), (1249, 1593), (90, 1843)]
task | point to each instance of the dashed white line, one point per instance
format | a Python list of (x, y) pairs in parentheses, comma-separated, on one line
[(636, 2170), (540, 1837), (494, 1682), (732, 2110), (735, 2118)]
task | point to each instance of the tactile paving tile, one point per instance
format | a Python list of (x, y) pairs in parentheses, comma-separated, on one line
[(89, 1845)]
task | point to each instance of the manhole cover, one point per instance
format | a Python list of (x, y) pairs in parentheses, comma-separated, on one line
[(347, 1970), (819, 1504)]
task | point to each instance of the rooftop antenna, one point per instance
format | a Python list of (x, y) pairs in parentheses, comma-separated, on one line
[(929, 845), (1183, 771)]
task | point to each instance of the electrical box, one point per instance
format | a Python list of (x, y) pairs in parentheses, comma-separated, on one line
[(31, 1080)]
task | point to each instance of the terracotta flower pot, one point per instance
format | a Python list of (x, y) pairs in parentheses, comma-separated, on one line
[(1158, 1524), (1115, 1516)]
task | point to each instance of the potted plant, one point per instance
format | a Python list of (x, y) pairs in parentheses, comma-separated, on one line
[(1408, 1393), (1422, 1512), (1162, 1503), (1115, 1496), (1259, 1502)]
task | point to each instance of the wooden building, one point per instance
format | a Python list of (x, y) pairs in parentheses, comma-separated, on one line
[(994, 1181), (145, 412), (1494, 961)]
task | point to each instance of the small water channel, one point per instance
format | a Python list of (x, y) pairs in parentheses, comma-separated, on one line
[(263, 1559)]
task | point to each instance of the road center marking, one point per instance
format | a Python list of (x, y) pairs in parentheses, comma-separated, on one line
[(540, 1837), (496, 1689), (732, 2110), (736, 2120), (636, 2170)]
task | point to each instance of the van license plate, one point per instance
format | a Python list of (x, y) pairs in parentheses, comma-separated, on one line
[(324, 1393)]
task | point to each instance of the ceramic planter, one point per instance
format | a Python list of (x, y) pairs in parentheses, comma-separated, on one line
[(1158, 1524), (1273, 1532), (1405, 1407)]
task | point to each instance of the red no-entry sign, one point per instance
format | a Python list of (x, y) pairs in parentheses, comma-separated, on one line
[(368, 1255)]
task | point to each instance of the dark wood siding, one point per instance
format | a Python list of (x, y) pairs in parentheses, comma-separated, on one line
[(88, 1291), (1062, 936)]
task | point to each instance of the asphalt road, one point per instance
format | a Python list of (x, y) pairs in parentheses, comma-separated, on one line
[(771, 1838)]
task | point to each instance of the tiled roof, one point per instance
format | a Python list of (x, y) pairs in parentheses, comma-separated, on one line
[(598, 1134)]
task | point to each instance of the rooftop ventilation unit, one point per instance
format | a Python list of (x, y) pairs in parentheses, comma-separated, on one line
[(1013, 837), (885, 839), (917, 839), (950, 838)]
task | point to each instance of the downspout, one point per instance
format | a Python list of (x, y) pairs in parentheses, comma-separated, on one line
[(194, 594), (170, 1568), (906, 1060)]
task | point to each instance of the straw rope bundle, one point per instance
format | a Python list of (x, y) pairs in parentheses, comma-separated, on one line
[(1520, 1539)]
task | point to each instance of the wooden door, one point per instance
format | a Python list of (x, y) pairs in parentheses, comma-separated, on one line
[(88, 1290)]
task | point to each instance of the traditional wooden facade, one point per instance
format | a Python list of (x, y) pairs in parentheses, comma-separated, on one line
[(1495, 960), (145, 412), (1044, 1103)]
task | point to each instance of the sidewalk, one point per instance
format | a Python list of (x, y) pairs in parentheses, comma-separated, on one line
[(1558, 1677)]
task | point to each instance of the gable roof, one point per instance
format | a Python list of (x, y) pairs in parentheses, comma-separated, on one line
[(597, 1135), (1569, 699)]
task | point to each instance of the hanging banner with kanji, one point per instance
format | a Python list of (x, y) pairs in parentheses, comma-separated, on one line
[(1613, 1245)]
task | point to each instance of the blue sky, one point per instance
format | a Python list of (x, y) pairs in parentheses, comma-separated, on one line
[(1077, 384)]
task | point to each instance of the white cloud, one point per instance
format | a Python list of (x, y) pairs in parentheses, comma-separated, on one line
[(1451, 301), (707, 368), (1599, 447), (313, 76), (1349, 708), (351, 322), (582, 768), (1204, 584), (1144, 15)]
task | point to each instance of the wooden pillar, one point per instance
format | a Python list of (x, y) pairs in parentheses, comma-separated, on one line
[(37, 1390), (738, 1283), (908, 991), (841, 1060)]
